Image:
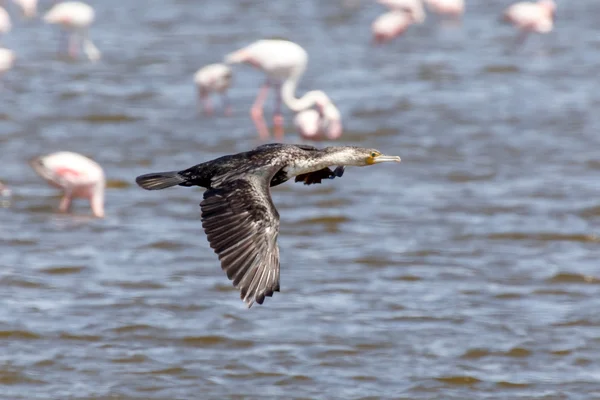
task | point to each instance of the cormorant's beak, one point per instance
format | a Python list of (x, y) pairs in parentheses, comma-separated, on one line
[(382, 158)]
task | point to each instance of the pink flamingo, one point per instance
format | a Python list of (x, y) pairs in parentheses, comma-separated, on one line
[(76, 175), (414, 7), (390, 25), (531, 17), (213, 78), (284, 63), (29, 7), (5, 24), (7, 60), (76, 17), (452, 8), (313, 126)]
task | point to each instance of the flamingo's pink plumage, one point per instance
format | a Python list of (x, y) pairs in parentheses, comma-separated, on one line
[(284, 63), (452, 8), (76, 17), (213, 78), (532, 16), (390, 25), (76, 175), (413, 7)]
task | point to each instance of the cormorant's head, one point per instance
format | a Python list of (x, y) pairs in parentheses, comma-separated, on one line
[(359, 156)]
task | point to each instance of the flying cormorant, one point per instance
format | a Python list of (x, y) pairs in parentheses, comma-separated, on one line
[(238, 215)]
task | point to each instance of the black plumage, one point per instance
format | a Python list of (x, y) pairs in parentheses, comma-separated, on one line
[(238, 215)]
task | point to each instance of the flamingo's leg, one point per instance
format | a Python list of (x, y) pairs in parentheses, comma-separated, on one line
[(65, 202), (277, 115), (204, 100), (73, 45), (208, 108), (227, 109), (521, 37), (256, 112), (63, 41)]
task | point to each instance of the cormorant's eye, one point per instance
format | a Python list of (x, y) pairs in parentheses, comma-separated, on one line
[(373, 154)]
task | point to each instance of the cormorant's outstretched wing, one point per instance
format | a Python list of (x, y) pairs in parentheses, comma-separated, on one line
[(242, 225), (273, 145), (318, 176)]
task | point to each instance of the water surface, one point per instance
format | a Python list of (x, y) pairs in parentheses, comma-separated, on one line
[(468, 271)]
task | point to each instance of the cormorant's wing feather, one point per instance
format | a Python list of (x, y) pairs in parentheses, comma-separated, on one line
[(317, 176), (242, 225), (267, 146), (306, 147), (273, 145)]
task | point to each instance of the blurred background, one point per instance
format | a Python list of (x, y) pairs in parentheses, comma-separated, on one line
[(468, 271)]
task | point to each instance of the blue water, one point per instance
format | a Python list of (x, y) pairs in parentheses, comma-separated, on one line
[(468, 271)]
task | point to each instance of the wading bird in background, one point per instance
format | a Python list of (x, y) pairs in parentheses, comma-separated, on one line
[(4, 190), (5, 24), (75, 17), (284, 63), (531, 17), (213, 78), (238, 214), (312, 126), (76, 175), (450, 8), (28, 7), (7, 60), (413, 7), (390, 25)]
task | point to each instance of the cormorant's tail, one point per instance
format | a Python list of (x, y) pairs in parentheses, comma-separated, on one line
[(159, 180)]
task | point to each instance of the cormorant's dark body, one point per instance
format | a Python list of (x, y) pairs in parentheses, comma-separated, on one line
[(202, 174), (238, 215)]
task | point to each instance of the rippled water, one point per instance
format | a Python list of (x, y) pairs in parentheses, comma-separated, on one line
[(470, 270)]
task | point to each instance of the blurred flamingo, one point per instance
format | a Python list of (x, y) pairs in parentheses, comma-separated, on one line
[(452, 8), (284, 63), (29, 7), (413, 7), (5, 24), (76, 17), (390, 25), (4, 190), (313, 126), (531, 17), (76, 175), (7, 60), (213, 78)]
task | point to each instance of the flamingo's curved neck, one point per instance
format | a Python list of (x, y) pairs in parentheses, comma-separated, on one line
[(288, 90)]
